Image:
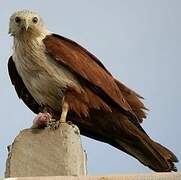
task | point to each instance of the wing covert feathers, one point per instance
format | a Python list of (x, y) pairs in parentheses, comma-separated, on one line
[(134, 101), (87, 67)]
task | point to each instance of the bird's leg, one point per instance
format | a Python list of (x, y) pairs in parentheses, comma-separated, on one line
[(65, 108), (54, 124)]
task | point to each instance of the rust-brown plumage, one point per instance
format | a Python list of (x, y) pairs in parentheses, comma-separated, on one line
[(103, 108), (85, 66)]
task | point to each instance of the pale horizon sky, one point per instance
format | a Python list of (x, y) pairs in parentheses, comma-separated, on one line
[(138, 41)]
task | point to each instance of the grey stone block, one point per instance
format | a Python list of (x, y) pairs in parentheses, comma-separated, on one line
[(46, 152)]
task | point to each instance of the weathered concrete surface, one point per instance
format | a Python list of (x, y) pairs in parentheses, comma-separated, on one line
[(151, 176), (47, 152)]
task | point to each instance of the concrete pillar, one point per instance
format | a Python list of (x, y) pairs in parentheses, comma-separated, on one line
[(46, 152)]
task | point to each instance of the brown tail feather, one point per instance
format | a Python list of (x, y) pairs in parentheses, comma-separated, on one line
[(115, 129), (148, 152), (150, 155), (167, 152)]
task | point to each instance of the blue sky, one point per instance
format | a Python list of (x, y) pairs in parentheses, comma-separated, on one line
[(138, 41)]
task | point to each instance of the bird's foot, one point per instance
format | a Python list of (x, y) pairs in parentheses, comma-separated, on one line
[(53, 124), (41, 120)]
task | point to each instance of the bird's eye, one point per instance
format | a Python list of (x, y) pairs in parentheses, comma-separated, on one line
[(35, 20), (17, 19)]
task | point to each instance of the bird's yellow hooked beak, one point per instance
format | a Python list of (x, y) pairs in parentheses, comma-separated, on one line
[(25, 24)]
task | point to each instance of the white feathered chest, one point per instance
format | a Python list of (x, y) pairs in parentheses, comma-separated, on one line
[(45, 79)]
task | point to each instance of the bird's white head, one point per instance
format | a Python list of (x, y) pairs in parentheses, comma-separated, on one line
[(26, 22)]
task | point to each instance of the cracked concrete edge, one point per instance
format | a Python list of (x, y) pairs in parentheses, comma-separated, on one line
[(146, 176), (8, 160)]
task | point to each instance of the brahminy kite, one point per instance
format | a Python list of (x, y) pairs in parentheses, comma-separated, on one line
[(61, 81)]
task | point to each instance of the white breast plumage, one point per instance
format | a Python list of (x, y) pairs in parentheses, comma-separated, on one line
[(44, 78)]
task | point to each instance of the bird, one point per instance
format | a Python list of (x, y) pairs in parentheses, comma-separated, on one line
[(62, 82)]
